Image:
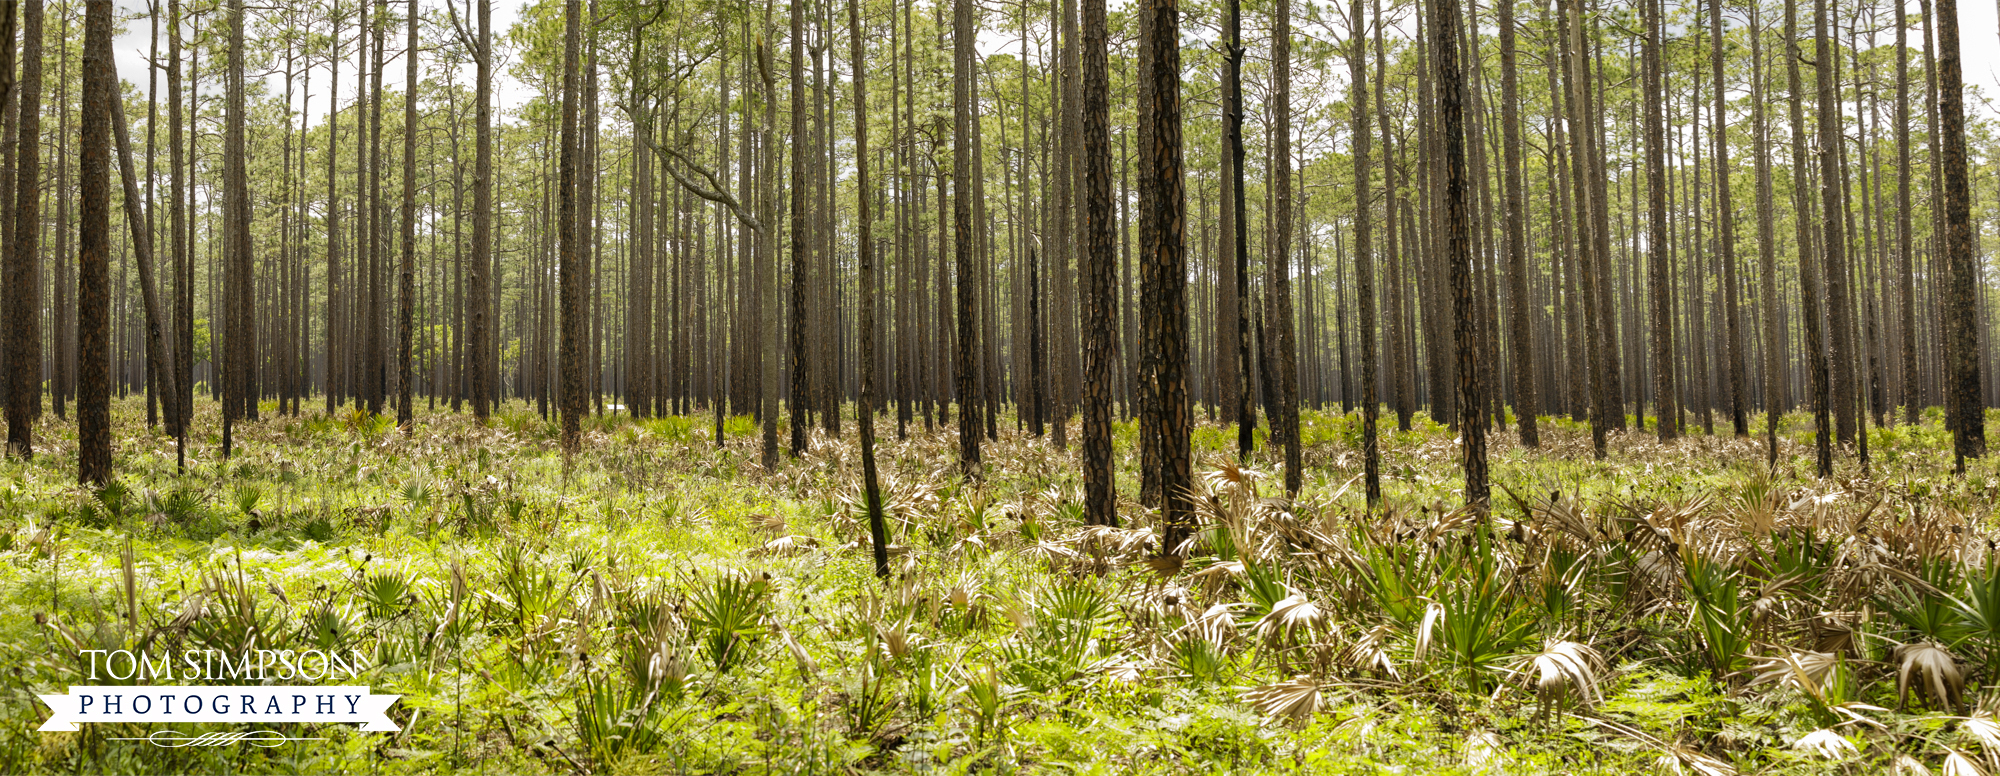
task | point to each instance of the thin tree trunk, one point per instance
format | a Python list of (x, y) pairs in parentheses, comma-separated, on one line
[(962, 35), (1725, 225), (157, 355), (239, 338), (405, 412), (1833, 244), (1527, 397), (878, 531), (569, 253), (1767, 251), (1666, 403), (1911, 394), (801, 254)]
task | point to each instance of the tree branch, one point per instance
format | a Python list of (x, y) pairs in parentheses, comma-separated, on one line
[(717, 194)]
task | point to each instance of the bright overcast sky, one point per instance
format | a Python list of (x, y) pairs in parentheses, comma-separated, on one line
[(1979, 30)]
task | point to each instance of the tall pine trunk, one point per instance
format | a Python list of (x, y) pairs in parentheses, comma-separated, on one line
[(93, 312), (1163, 203), (1287, 419), (864, 416), (965, 368), (1457, 244), (1665, 400), (1098, 272), (1527, 397), (1911, 394), (1726, 225), (1364, 260), (1961, 276), (570, 278), (406, 306)]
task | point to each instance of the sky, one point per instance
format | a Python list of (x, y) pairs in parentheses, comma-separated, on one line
[(1979, 31)]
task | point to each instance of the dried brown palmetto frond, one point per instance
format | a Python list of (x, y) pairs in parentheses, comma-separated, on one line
[(1984, 727), (1122, 544), (1123, 669), (1292, 613), (1905, 765), (786, 545), (1296, 700), (1566, 670), (1826, 743), (766, 521), (1217, 625), (1427, 631), (1370, 652), (1449, 523), (1218, 576), (1484, 750), (1808, 672), (1957, 763), (1936, 675)]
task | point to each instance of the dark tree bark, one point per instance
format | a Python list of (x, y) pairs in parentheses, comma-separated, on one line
[(93, 312), (966, 371), (478, 333), (1449, 76), (1098, 272), (1364, 260), (767, 251), (1164, 276), (801, 387), (1808, 277), (1287, 419), (569, 248), (639, 390), (373, 370), (335, 327), (239, 338), (1402, 377), (23, 289), (1596, 342), (406, 305), (1961, 275), (1235, 236)]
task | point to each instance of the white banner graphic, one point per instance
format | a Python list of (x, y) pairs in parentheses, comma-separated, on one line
[(220, 704)]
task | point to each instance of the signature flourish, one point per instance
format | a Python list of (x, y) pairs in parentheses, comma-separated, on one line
[(174, 739)]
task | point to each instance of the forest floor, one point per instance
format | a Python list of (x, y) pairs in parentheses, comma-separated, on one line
[(656, 603)]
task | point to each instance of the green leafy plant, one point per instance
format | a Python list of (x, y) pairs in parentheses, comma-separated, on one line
[(1713, 590), (728, 615), (1476, 622)]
